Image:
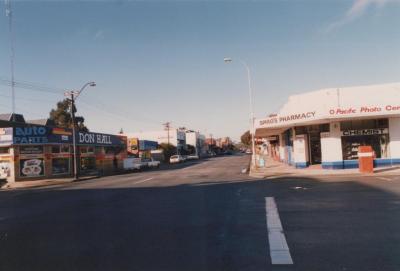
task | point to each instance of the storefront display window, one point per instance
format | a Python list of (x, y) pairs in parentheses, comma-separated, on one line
[(113, 150), (88, 163), (85, 149), (4, 150), (32, 167), (60, 166), (30, 150), (372, 133)]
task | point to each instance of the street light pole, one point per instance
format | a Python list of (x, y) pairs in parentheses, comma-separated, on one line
[(252, 131), (73, 96), (76, 177)]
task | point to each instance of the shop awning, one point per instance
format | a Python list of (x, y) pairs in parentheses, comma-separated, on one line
[(269, 132)]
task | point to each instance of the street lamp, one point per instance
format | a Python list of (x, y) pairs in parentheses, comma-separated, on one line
[(73, 96), (253, 147)]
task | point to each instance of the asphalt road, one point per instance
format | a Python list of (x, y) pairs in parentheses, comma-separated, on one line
[(201, 216)]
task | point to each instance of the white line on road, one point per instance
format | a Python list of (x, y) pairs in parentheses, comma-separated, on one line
[(279, 250), (145, 180), (385, 178)]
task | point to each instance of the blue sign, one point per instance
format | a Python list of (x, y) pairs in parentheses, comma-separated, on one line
[(84, 138), (147, 145), (37, 135)]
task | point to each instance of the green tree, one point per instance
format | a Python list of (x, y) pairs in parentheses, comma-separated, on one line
[(246, 138), (168, 150), (61, 116)]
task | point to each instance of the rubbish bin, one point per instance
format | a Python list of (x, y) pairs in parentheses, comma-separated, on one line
[(366, 159)]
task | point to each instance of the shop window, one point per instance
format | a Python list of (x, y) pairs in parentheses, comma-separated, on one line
[(379, 143), (55, 149), (301, 130), (90, 149), (364, 124), (88, 163), (323, 128), (60, 149), (83, 149), (60, 166), (113, 150), (4, 150), (109, 150), (64, 149)]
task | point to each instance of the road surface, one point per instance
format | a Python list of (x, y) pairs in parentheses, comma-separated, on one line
[(202, 216)]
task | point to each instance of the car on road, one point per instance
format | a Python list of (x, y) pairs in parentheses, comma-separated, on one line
[(192, 157), (174, 159), (248, 151), (151, 163), (133, 164)]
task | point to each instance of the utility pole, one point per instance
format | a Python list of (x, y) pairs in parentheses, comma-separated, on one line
[(12, 54), (73, 96), (72, 110), (211, 142), (167, 126)]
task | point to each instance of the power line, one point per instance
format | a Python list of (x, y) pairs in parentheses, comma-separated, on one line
[(30, 86)]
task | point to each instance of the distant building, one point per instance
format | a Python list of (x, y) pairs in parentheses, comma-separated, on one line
[(174, 137), (197, 140)]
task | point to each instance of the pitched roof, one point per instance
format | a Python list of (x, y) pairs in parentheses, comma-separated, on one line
[(5, 117), (44, 122), (10, 117)]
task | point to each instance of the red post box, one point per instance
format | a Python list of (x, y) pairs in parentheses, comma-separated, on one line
[(366, 159)]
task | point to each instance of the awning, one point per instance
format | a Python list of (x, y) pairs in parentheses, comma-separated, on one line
[(264, 132)]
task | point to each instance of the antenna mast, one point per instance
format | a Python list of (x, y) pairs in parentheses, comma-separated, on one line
[(12, 54)]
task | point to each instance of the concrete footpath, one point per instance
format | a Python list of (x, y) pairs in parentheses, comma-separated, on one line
[(41, 183), (274, 169)]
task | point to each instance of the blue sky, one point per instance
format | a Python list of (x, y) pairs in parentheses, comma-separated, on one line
[(158, 61)]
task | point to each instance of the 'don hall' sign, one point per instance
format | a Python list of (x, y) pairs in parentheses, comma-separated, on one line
[(84, 138)]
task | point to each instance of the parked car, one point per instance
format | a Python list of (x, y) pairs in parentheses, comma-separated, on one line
[(133, 164), (192, 157), (248, 151), (174, 159), (152, 163)]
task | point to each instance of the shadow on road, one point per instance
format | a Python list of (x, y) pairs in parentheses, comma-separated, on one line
[(214, 225)]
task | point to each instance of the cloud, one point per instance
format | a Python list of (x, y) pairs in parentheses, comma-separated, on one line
[(99, 35), (358, 9)]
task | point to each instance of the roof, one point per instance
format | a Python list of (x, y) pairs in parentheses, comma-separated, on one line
[(11, 116), (336, 103), (5, 117), (44, 122)]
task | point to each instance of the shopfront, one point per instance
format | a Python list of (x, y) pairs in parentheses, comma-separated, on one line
[(38, 152), (329, 132)]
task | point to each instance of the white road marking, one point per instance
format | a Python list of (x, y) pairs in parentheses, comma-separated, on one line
[(145, 180), (385, 178), (279, 250)]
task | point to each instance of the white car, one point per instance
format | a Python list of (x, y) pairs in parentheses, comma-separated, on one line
[(153, 163), (176, 159)]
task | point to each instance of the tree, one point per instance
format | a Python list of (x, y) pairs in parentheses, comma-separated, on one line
[(246, 138), (61, 116), (168, 150)]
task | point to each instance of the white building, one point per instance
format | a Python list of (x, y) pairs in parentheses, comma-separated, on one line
[(197, 140), (327, 126)]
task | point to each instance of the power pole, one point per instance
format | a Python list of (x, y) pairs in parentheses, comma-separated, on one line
[(72, 99), (167, 126)]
